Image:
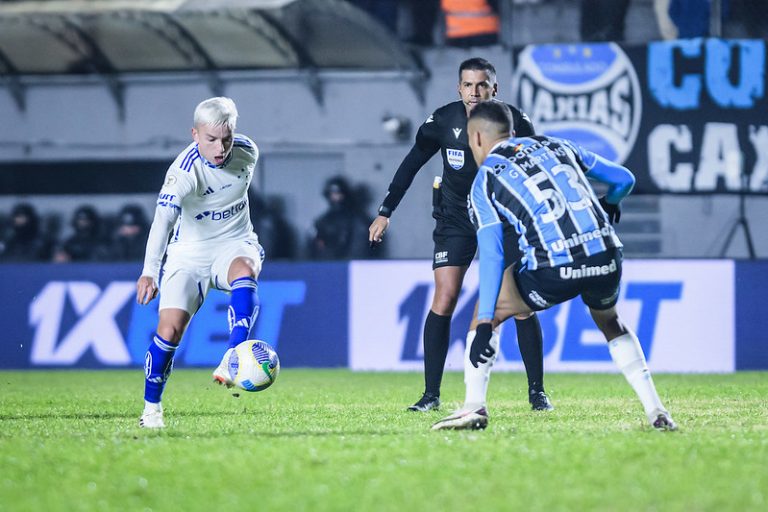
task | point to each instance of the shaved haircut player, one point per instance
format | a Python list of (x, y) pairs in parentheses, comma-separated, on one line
[(539, 185)]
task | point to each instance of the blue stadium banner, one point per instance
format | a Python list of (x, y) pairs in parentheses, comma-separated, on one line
[(86, 316), (752, 315), (686, 116), (690, 316)]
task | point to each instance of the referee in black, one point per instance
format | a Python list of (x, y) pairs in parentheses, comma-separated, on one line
[(454, 236)]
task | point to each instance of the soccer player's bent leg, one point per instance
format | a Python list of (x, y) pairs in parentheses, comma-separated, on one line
[(628, 356), (437, 329), (242, 312), (474, 414), (158, 364), (529, 338)]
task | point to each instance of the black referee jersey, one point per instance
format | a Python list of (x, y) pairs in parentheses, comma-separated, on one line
[(445, 130)]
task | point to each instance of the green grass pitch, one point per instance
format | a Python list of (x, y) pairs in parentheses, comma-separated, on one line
[(337, 440)]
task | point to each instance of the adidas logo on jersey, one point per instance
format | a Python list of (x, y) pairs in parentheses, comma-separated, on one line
[(208, 190)]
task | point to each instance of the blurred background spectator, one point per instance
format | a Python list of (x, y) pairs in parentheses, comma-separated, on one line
[(129, 237), (276, 234), (87, 242), (692, 17), (342, 231), (24, 239)]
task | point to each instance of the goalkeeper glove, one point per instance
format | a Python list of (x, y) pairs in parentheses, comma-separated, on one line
[(481, 350), (613, 210)]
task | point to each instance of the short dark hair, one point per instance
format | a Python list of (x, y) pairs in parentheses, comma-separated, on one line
[(496, 112), (478, 64)]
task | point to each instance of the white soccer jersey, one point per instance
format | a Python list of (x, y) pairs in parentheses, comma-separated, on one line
[(201, 202)]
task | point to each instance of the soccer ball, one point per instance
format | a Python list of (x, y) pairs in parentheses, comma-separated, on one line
[(253, 365)]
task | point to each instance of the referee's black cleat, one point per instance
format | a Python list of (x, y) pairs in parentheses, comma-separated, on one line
[(539, 401), (428, 402)]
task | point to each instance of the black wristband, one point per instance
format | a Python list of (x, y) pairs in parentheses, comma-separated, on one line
[(385, 211)]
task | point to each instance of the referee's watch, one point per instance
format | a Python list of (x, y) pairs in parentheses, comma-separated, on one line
[(385, 211)]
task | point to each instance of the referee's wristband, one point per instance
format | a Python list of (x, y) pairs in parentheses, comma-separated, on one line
[(385, 211)]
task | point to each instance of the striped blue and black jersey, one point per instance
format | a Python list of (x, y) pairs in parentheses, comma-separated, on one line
[(539, 185)]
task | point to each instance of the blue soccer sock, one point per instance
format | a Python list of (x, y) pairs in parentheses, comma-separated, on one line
[(158, 364), (243, 309)]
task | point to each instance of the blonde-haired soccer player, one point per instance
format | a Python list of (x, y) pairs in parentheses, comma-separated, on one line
[(202, 227)]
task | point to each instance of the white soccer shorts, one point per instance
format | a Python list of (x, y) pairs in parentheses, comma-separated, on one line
[(191, 270)]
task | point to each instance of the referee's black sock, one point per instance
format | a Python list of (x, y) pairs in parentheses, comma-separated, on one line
[(437, 330), (530, 341)]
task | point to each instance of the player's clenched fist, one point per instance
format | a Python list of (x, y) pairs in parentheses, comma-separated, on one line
[(378, 228), (146, 290)]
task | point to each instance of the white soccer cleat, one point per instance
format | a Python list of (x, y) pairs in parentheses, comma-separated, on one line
[(221, 373), (661, 420), (464, 419), (152, 417)]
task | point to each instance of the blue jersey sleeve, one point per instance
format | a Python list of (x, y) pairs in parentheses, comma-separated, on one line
[(491, 247), (489, 237), (482, 210), (619, 179)]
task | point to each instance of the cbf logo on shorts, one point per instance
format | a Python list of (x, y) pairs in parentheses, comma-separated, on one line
[(588, 93), (455, 158)]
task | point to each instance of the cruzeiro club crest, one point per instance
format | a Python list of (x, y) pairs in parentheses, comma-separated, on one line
[(588, 93)]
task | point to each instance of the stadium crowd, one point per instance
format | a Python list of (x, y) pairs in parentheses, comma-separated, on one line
[(28, 236), (465, 23), (339, 233)]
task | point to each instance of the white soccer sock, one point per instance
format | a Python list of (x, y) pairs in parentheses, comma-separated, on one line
[(476, 379), (153, 407), (628, 356)]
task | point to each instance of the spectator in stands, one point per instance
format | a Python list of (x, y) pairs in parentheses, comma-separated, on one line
[(87, 242), (471, 22), (275, 232), (24, 241), (667, 27), (692, 17), (603, 20), (342, 231), (130, 235)]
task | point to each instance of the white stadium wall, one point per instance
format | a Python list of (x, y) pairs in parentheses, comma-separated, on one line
[(683, 312), (76, 119)]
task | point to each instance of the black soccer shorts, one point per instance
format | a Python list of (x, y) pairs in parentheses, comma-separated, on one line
[(455, 243), (595, 278)]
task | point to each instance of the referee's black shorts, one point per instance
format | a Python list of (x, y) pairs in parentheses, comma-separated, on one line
[(455, 241)]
